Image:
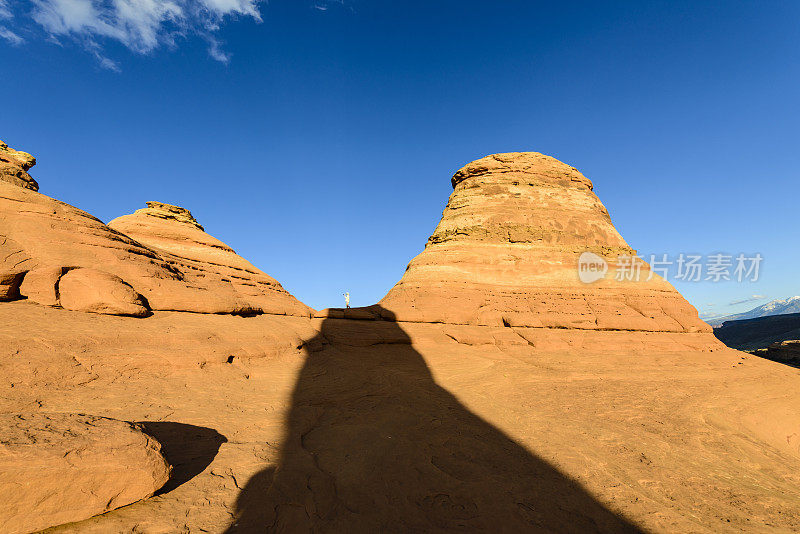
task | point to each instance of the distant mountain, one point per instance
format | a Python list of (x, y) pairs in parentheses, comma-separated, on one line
[(759, 333), (776, 307)]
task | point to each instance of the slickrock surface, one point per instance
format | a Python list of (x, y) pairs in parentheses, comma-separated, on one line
[(56, 468), (38, 232), (14, 166), (506, 252), (494, 392), (203, 259), (364, 426)]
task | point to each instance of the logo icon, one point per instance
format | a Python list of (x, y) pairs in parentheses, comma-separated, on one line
[(591, 267)]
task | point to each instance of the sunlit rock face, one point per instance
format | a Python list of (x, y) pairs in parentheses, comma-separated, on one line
[(61, 467), (167, 259), (174, 233), (14, 166), (507, 250)]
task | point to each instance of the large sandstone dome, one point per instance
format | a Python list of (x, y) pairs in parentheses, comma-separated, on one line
[(506, 252)]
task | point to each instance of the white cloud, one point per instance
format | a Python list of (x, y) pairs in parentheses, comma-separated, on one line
[(140, 25), (10, 36), (5, 33), (244, 7), (108, 63), (215, 51), (324, 5), (752, 298)]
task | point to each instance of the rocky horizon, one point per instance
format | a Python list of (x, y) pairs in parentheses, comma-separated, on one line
[(490, 389)]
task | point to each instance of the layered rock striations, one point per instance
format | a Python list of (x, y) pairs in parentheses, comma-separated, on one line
[(45, 238), (506, 252), (14, 166), (174, 233)]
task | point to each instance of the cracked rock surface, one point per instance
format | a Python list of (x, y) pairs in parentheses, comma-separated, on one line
[(57, 468)]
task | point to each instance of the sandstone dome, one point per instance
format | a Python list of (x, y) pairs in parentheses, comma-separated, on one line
[(175, 234), (506, 251), (185, 269)]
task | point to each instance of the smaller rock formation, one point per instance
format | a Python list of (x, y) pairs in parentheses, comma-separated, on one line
[(205, 261), (14, 166), (9, 285), (90, 290), (59, 468), (41, 285), (169, 212), (12, 257), (167, 258)]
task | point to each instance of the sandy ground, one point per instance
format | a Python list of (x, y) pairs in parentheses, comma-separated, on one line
[(287, 424)]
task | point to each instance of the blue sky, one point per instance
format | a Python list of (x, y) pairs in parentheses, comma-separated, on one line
[(318, 138)]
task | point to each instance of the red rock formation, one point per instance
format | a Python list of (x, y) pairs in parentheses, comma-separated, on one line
[(57, 468), (506, 253), (41, 285), (14, 167), (41, 233), (90, 290), (174, 233)]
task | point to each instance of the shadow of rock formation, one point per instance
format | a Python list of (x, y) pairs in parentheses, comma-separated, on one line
[(189, 449), (373, 444)]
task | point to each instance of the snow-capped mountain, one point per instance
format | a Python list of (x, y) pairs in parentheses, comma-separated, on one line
[(776, 307)]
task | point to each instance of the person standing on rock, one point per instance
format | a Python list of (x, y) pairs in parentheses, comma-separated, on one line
[(346, 299)]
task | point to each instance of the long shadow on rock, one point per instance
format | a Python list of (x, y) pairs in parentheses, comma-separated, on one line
[(189, 449), (373, 444)]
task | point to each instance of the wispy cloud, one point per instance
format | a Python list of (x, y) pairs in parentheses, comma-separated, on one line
[(5, 33), (10, 36), (324, 5), (140, 25), (752, 298)]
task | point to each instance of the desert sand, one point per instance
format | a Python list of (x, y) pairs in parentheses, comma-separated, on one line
[(489, 391)]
